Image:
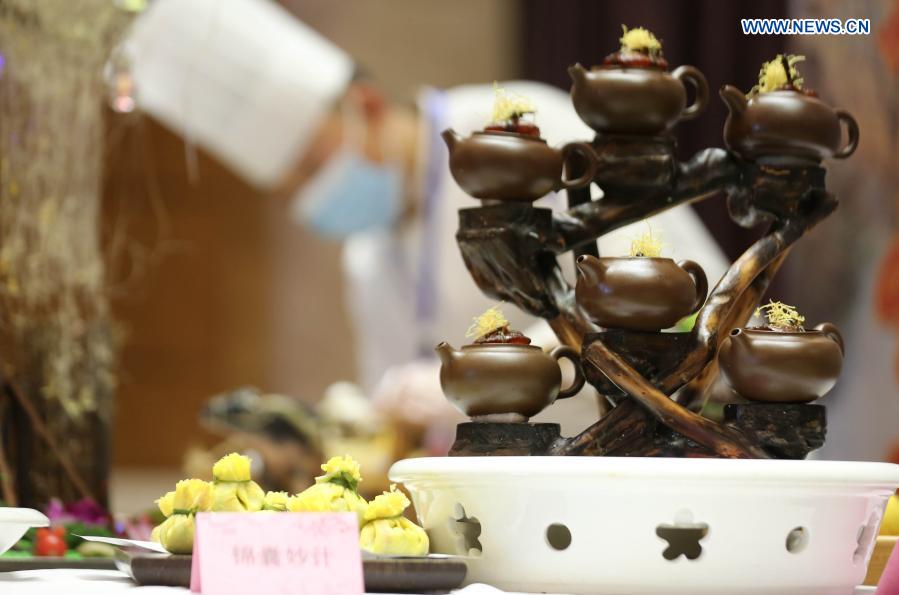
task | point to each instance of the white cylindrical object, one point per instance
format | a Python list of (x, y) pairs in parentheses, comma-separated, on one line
[(244, 79), (613, 508)]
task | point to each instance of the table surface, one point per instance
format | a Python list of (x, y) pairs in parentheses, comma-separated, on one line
[(101, 582)]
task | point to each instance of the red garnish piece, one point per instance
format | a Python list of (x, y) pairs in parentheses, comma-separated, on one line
[(525, 128), (50, 542), (504, 335), (635, 60)]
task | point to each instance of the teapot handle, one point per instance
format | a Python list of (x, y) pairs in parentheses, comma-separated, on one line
[(833, 333), (852, 130), (699, 279), (585, 151), (693, 76), (564, 351)]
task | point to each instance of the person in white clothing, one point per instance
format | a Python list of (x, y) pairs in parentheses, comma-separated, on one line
[(365, 171)]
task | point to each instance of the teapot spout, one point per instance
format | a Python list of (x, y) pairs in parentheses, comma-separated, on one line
[(737, 340), (588, 267), (734, 98), (451, 138), (577, 73), (446, 353)]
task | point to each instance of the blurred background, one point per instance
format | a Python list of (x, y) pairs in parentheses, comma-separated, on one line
[(212, 287)]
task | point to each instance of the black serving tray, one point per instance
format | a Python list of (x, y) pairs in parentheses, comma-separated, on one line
[(382, 575)]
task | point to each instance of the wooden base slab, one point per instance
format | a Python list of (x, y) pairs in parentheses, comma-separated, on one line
[(784, 430), (478, 439)]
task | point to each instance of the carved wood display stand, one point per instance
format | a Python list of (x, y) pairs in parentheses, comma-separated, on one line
[(651, 378)]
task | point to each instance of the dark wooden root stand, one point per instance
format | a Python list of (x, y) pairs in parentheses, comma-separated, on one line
[(652, 379)]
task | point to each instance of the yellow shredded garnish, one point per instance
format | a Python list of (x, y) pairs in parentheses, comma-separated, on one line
[(509, 105), (772, 75), (781, 316), (639, 39), (486, 323), (647, 246), (387, 505)]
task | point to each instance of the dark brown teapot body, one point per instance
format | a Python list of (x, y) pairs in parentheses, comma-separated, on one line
[(785, 123), (782, 367), (639, 293), (513, 167), (504, 382), (635, 100)]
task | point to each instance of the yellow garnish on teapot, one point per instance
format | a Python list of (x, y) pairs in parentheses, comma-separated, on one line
[(639, 39), (507, 106), (486, 323), (773, 74), (781, 317), (646, 246)]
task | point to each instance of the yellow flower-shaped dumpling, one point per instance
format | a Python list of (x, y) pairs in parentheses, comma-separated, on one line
[(342, 471), (387, 506), (328, 497), (387, 532), (233, 489), (176, 533), (232, 467), (166, 504), (191, 496), (276, 501)]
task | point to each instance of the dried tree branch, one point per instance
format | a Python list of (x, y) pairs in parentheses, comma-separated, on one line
[(41, 428), (733, 298), (738, 278), (705, 174), (739, 316), (722, 440), (6, 480)]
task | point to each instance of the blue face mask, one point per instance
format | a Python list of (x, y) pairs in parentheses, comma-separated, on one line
[(351, 194)]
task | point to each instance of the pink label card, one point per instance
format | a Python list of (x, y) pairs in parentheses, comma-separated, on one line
[(889, 580), (296, 553)]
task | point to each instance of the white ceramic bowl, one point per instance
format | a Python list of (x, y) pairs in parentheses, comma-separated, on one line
[(15, 521), (609, 525)]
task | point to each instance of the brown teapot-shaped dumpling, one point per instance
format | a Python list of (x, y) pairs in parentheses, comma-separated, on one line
[(639, 293), (782, 367), (635, 100), (503, 381), (786, 123), (510, 166)]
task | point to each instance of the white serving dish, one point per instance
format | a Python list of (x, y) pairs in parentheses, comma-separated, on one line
[(828, 512), (15, 521)]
